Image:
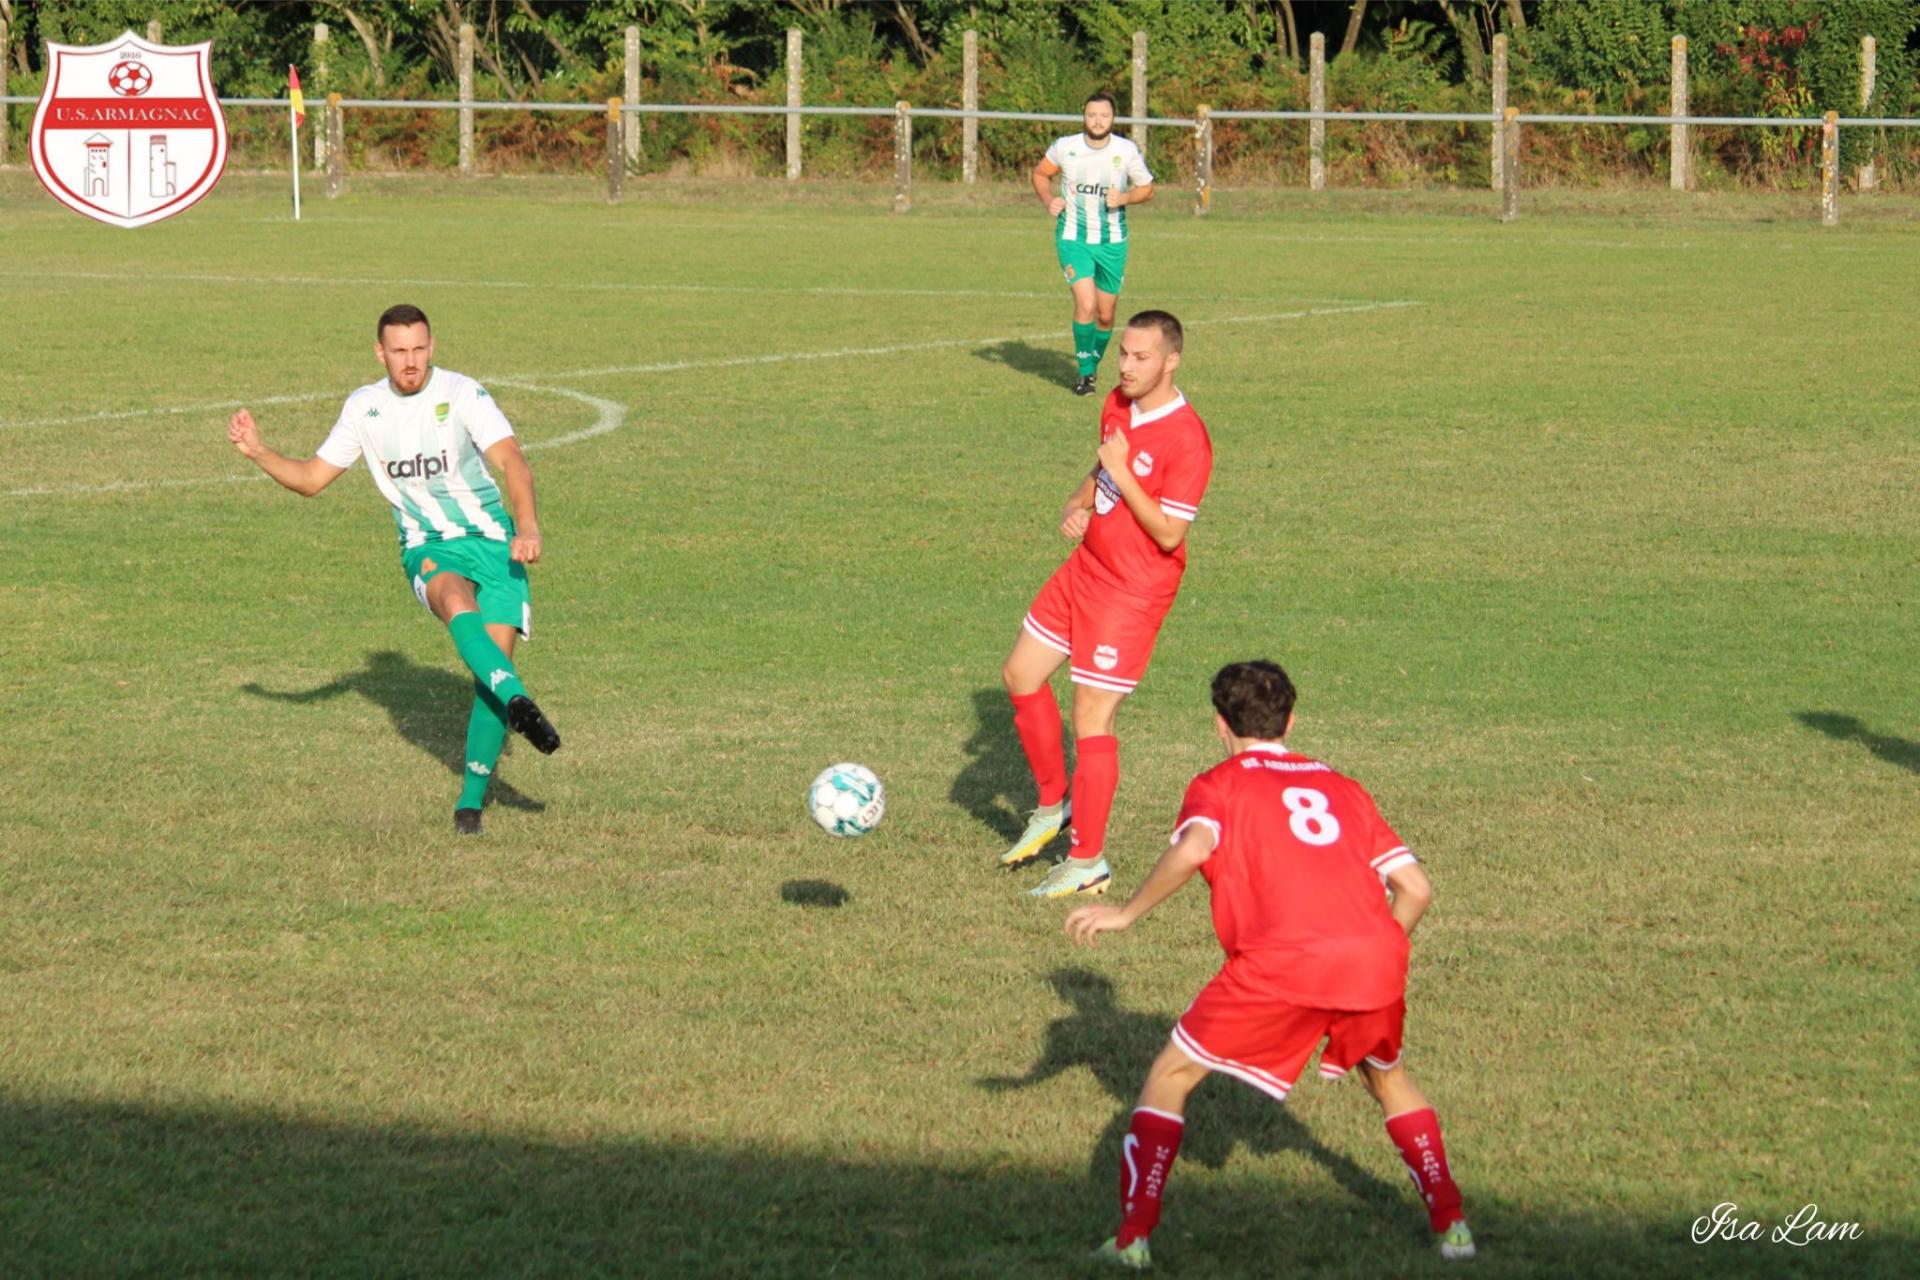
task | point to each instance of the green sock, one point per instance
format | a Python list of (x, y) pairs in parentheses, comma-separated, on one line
[(1101, 337), (1083, 349), (486, 734), (492, 668)]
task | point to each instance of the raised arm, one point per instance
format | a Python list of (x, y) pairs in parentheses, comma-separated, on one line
[(1166, 531), (1043, 175), (1175, 867), (506, 458), (305, 476), (1075, 516)]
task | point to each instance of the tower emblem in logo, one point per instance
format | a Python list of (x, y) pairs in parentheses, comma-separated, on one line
[(128, 132)]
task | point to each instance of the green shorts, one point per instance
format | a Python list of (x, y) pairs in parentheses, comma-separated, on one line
[(1106, 263), (499, 584)]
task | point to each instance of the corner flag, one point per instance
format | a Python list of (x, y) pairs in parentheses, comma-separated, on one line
[(299, 99)]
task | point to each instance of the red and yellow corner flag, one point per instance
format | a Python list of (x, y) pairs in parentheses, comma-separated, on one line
[(298, 99)]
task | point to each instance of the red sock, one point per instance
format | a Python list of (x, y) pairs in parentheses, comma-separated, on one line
[(1147, 1152), (1036, 718), (1096, 776), (1417, 1134)]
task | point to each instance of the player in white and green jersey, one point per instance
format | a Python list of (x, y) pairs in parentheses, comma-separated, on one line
[(428, 435), (1100, 176)]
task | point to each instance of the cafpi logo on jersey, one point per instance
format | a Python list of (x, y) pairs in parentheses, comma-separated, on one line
[(128, 132)]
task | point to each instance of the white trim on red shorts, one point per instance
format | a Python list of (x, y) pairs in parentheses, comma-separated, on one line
[(1332, 1073), (1045, 636), (1265, 1081), (1100, 680), (1378, 1065)]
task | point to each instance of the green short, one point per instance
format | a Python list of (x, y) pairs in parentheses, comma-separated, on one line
[(499, 584), (1106, 263)]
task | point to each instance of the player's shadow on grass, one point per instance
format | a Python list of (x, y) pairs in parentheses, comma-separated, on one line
[(1117, 1046), (1844, 728), (428, 707), (995, 781), (1045, 363)]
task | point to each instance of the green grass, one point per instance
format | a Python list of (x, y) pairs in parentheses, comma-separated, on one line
[(1596, 566)]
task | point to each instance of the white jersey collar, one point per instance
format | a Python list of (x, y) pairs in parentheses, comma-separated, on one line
[(1140, 419)]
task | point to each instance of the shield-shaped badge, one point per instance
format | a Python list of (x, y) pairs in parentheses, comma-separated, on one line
[(128, 132)]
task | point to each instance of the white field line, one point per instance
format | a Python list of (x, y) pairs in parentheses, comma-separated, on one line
[(609, 414), (562, 286)]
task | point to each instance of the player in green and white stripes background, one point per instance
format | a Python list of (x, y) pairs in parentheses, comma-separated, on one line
[(1100, 176)]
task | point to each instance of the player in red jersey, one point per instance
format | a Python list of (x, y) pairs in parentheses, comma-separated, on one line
[(1295, 855), (1101, 611)]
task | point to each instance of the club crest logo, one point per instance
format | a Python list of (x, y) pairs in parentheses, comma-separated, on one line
[(1106, 657), (128, 132), (440, 412), (1143, 463)]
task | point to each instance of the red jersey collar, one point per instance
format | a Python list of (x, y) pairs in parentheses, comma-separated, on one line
[(1139, 419)]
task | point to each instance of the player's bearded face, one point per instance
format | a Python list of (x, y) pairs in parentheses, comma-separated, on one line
[(1099, 120), (1145, 362), (407, 351)]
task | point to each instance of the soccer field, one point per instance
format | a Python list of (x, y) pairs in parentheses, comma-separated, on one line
[(1588, 540)]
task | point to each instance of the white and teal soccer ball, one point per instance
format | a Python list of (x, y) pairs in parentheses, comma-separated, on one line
[(847, 800)]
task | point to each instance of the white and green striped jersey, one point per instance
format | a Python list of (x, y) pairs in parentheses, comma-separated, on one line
[(1087, 173), (425, 454)]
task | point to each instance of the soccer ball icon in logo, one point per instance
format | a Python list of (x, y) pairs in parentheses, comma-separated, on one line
[(130, 79), (847, 800)]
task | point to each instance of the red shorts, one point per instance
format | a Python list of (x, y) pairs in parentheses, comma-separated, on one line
[(1265, 1041), (1106, 635)]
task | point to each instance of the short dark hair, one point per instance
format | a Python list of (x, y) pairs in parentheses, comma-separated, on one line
[(1101, 96), (1170, 331), (402, 314), (1255, 699)]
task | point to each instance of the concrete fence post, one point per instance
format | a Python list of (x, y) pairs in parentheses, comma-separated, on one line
[(336, 148), (616, 153), (466, 99), (1139, 109), (154, 30), (1509, 164), (795, 70), (1869, 50), (1680, 163), (1203, 161), (1499, 106), (1830, 169), (6, 111), (630, 131), (321, 46), (970, 101), (1317, 101), (902, 157)]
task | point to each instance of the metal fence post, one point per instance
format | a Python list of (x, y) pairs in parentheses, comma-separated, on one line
[(320, 85), (336, 148), (1140, 89), (1830, 169), (1680, 162), (153, 30), (1317, 101), (5, 110), (466, 99), (616, 153), (1510, 164), (632, 134), (970, 101), (794, 71), (902, 157), (1868, 51), (1203, 165), (1499, 105)]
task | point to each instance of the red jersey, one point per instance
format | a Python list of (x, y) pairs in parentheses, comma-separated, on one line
[(1298, 867), (1169, 452)]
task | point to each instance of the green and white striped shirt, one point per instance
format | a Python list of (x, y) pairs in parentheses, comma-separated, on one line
[(425, 452), (1087, 173)]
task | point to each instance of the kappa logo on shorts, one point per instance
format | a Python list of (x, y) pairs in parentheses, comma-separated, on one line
[(1106, 657), (1143, 463)]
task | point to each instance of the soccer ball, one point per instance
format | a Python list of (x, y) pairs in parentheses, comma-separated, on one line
[(130, 79), (847, 800)]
